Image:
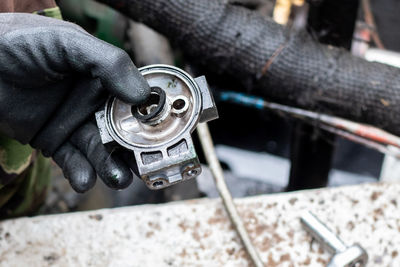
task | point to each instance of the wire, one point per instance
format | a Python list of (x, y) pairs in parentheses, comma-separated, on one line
[(365, 134), (369, 19), (357, 139), (218, 174)]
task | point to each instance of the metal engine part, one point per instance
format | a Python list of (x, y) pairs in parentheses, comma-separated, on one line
[(159, 131)]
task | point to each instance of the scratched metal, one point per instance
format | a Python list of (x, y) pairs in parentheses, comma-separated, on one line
[(198, 233)]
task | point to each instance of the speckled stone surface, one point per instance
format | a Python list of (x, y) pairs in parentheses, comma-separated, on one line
[(198, 233)]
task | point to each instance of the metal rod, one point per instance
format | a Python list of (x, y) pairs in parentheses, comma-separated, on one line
[(322, 233), (216, 170)]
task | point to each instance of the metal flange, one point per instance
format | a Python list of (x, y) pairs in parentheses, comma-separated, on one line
[(158, 132)]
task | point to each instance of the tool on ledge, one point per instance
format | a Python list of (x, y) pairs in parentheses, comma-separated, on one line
[(343, 256)]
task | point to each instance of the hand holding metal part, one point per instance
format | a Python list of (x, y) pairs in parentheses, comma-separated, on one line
[(53, 77), (158, 132)]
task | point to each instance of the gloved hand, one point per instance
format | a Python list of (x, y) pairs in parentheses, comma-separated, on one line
[(53, 77)]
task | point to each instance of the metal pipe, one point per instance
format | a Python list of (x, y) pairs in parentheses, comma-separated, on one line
[(387, 57)]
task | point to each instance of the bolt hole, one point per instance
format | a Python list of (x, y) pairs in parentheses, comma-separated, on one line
[(192, 173), (179, 104), (158, 184)]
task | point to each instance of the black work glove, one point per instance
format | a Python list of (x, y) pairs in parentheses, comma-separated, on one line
[(53, 77)]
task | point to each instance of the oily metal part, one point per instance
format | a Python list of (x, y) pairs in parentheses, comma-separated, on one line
[(165, 128), (160, 136)]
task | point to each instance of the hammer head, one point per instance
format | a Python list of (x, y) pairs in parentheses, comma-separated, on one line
[(354, 256)]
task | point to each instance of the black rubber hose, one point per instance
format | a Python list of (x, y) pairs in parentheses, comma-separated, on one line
[(278, 64)]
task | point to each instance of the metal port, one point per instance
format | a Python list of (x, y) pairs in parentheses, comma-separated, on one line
[(150, 106), (153, 106), (180, 105)]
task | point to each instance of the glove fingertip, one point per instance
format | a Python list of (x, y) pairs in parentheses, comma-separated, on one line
[(82, 181), (118, 179), (126, 82), (76, 169)]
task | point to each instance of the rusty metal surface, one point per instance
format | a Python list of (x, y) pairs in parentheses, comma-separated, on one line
[(198, 232)]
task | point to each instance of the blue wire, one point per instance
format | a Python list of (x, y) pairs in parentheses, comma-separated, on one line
[(243, 99)]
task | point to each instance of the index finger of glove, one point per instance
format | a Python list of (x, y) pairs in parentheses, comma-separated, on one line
[(56, 48), (111, 65)]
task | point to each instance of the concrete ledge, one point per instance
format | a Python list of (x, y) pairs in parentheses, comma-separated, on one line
[(198, 232)]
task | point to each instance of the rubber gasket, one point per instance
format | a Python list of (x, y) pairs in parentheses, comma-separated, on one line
[(160, 105)]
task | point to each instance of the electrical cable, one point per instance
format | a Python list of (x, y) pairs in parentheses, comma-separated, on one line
[(218, 174)]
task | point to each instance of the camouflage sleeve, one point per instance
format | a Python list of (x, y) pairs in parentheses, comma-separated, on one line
[(24, 173), (24, 178), (53, 12), (25, 194)]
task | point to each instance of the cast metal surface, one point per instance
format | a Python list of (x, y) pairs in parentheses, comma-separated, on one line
[(343, 256), (160, 136)]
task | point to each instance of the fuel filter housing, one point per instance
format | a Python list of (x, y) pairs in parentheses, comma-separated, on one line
[(158, 132)]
